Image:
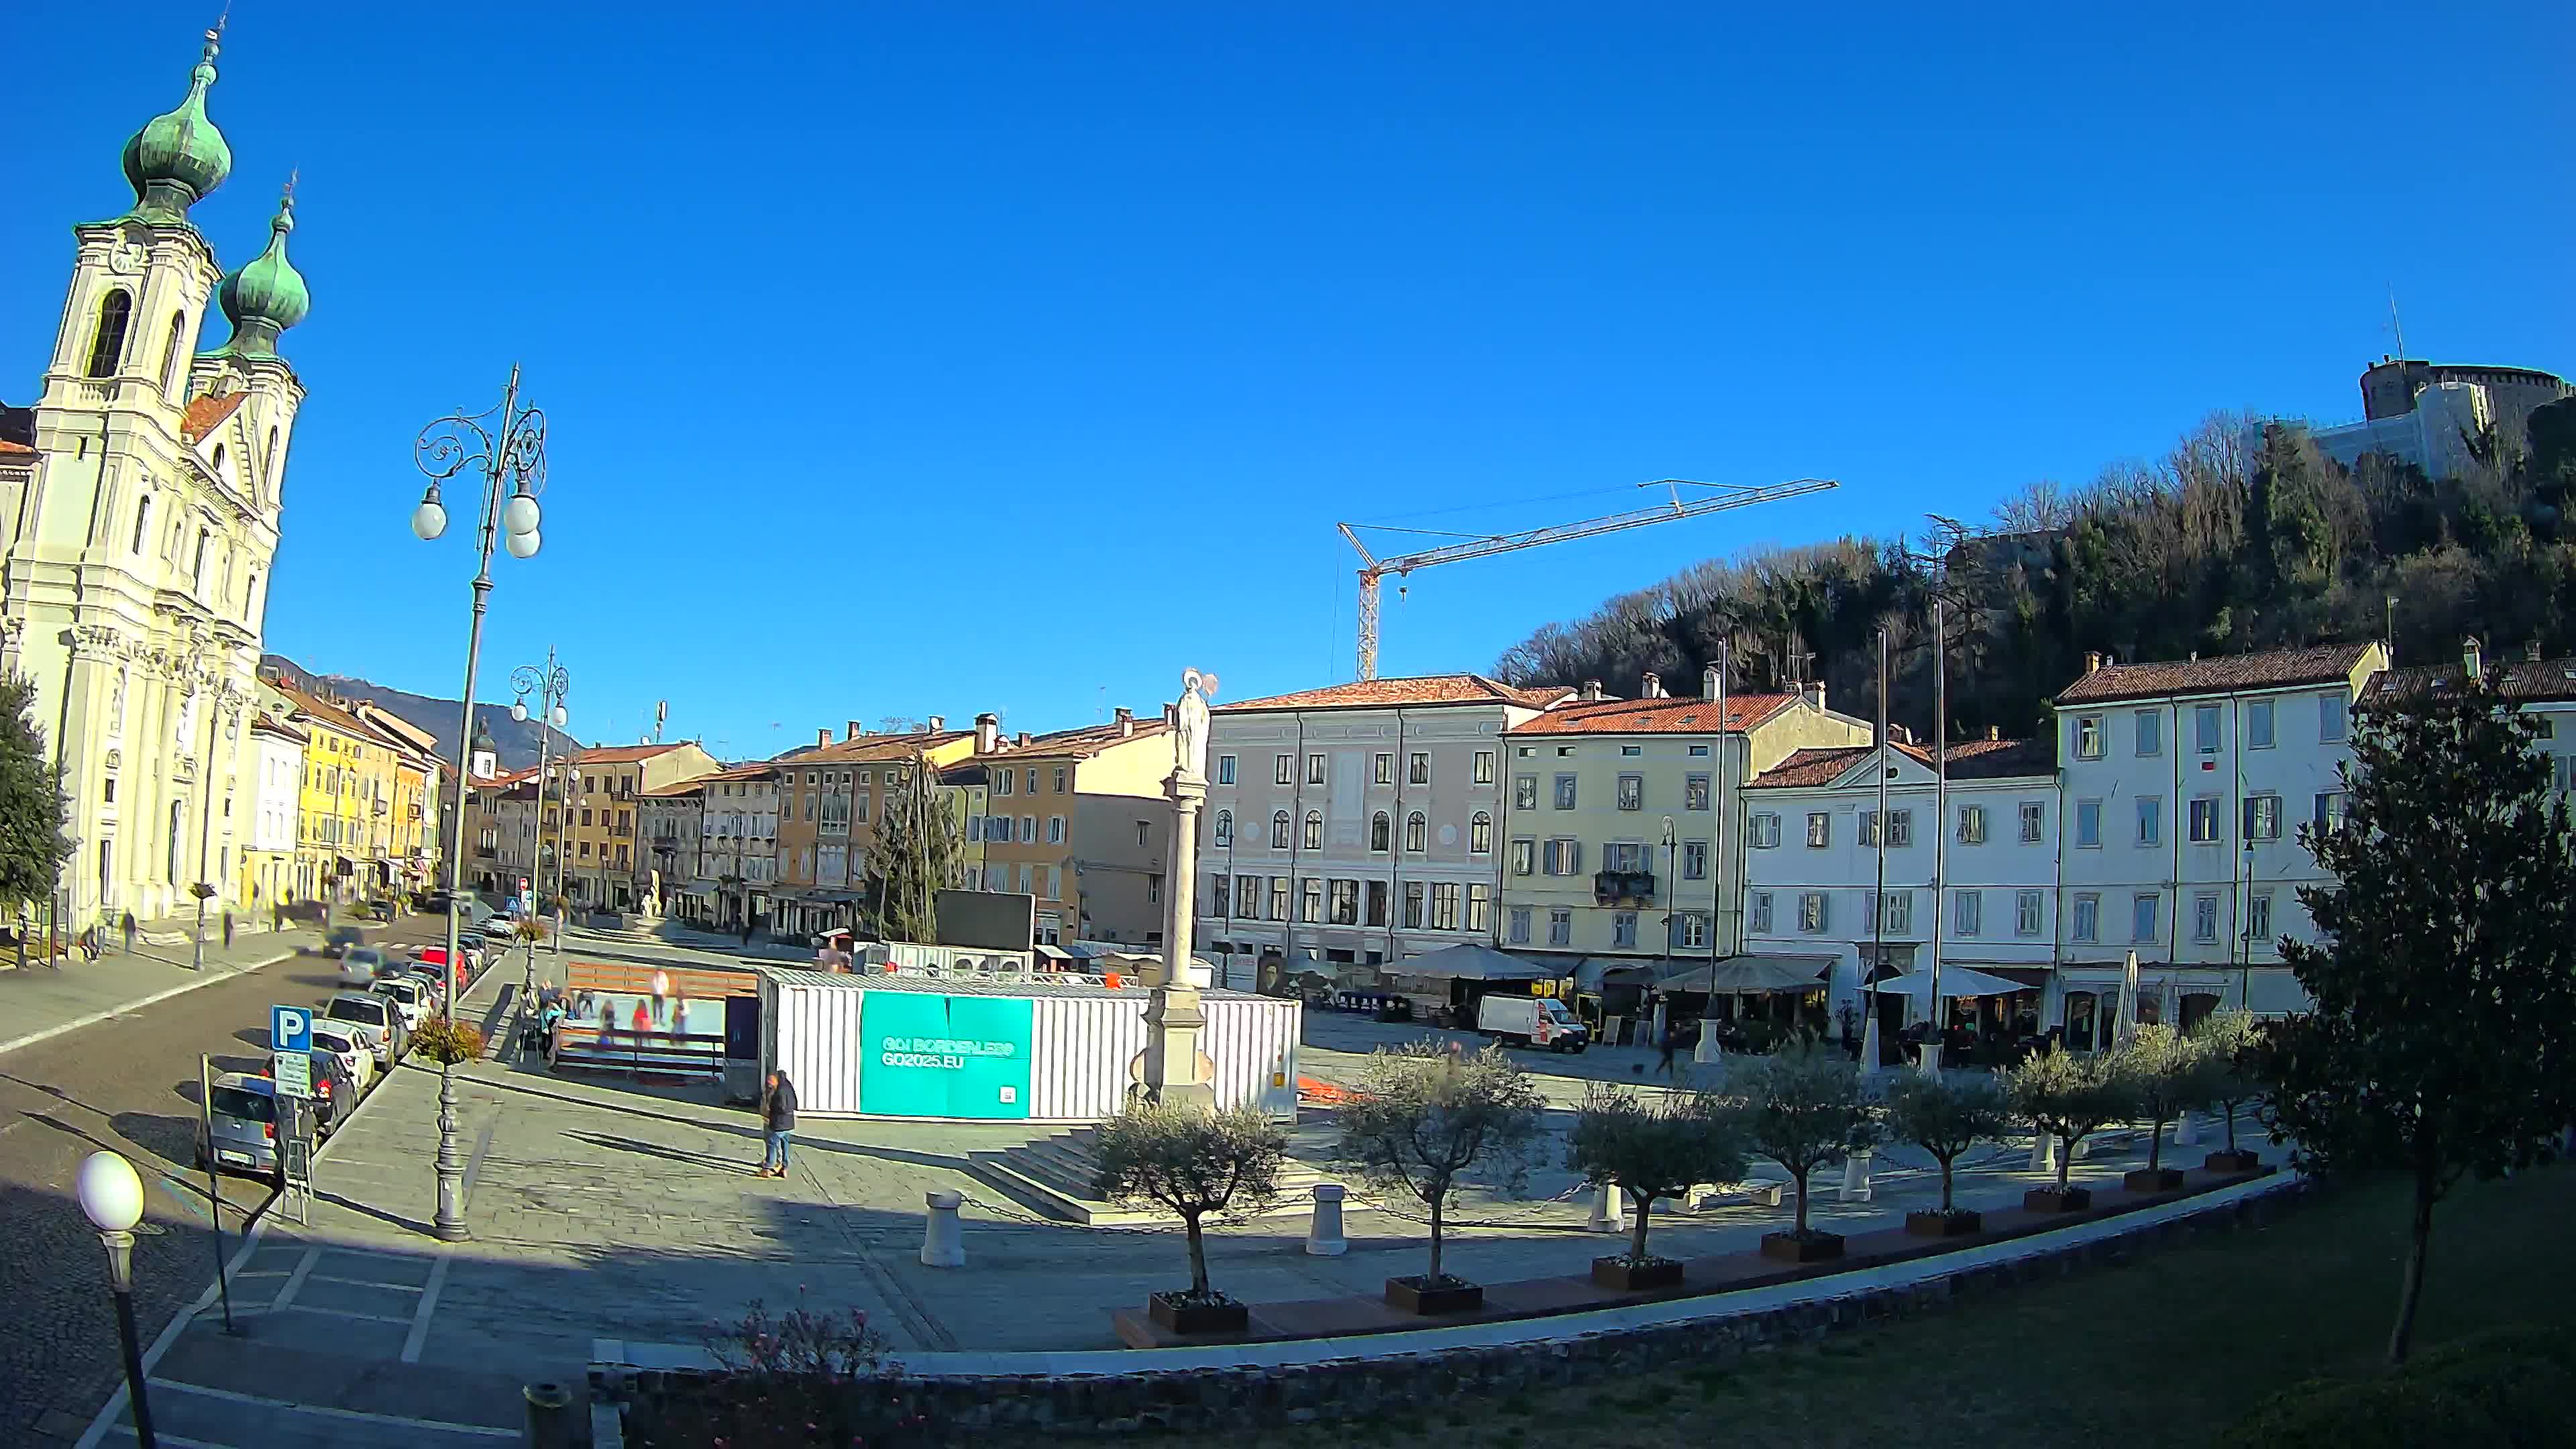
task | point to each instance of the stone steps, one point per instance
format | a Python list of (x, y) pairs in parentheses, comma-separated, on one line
[(1054, 1176)]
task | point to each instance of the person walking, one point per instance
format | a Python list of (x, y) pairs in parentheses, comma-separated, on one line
[(1666, 1040), (228, 930), (778, 1114), (128, 925)]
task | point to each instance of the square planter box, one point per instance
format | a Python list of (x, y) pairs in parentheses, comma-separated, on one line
[(1620, 1274), (2231, 1162), (1226, 1317), (1412, 1295), (1815, 1247), (2152, 1179), (1944, 1225), (2050, 1200)]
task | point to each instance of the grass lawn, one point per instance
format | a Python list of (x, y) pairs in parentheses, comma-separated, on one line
[(2167, 1350)]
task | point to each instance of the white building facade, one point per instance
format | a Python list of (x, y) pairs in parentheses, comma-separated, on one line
[(140, 516), (738, 842), (277, 791), (1812, 868), (2183, 786), (1298, 868)]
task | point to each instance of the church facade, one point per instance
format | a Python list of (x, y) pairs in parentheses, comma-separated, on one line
[(140, 518)]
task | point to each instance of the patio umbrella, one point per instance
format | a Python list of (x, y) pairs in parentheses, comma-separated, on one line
[(1956, 981)]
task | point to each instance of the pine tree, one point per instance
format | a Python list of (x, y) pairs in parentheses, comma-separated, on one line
[(2443, 1039), (912, 859), (32, 847)]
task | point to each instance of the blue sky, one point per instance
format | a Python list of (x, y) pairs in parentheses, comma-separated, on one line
[(914, 360)]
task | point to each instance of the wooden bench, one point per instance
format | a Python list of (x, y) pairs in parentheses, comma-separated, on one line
[(1760, 1191)]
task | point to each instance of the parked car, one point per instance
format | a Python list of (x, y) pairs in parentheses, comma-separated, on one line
[(371, 1019), (360, 965), (410, 996), (1532, 1021), (356, 1057), (435, 902), (239, 1131), (335, 1091)]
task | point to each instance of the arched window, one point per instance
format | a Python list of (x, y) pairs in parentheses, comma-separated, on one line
[(197, 565), (1381, 833), (1225, 827), (219, 460), (170, 353), (107, 344), (1314, 830), (268, 464), (1279, 830), (1480, 834), (1416, 831), (142, 522)]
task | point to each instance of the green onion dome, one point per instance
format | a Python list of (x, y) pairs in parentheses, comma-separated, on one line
[(178, 157)]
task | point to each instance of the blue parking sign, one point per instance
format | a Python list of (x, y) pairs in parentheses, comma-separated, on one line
[(290, 1029)]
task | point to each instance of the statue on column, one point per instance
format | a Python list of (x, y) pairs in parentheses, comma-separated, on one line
[(1173, 1070)]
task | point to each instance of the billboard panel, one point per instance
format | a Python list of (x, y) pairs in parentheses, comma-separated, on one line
[(922, 1055)]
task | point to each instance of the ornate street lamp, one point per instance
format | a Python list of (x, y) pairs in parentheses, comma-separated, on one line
[(549, 684), (112, 1197), (507, 445)]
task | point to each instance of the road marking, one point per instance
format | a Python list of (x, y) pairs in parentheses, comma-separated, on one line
[(295, 1280), (356, 1416), (366, 1283), (173, 1440), (343, 1313), (421, 1311), (157, 997)]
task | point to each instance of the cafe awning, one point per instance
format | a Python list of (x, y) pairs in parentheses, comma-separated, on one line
[(1471, 962), (1594, 972), (1956, 981), (1738, 975)]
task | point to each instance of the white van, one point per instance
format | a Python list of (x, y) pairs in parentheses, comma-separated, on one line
[(1532, 1021)]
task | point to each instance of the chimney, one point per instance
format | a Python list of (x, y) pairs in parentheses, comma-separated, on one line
[(1994, 732), (1815, 694), (1590, 691), (2531, 651), (937, 724), (1024, 737), (853, 731), (1126, 722), (1708, 682), (988, 733), (822, 736), (2092, 661), (2472, 659), (1653, 685)]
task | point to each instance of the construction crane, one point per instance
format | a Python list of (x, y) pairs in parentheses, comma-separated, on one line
[(1469, 545)]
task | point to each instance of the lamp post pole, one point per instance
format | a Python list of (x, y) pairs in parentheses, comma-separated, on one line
[(111, 1196), (507, 445), (549, 683)]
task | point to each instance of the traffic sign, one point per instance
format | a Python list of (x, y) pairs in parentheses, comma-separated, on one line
[(294, 1072), (290, 1030)]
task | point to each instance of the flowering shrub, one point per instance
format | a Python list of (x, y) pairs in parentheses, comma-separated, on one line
[(793, 1378)]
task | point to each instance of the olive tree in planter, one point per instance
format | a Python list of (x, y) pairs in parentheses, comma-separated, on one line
[(1945, 1116), (1805, 1106), (2162, 1069), (1428, 1121), (2070, 1098), (1196, 1163), (1648, 1152), (2228, 1042)]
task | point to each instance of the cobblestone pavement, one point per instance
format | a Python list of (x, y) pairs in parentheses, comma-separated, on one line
[(128, 1083)]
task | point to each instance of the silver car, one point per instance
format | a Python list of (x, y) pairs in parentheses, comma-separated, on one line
[(368, 1017), (239, 1132)]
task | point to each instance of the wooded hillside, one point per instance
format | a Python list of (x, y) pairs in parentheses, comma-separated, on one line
[(2241, 538)]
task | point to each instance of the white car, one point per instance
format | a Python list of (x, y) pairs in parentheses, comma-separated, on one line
[(359, 967), (370, 1018), (410, 996), (339, 1041)]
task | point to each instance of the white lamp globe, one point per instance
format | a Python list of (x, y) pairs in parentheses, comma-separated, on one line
[(520, 515), (523, 545), (519, 710), (110, 1193), (429, 520), (560, 717)]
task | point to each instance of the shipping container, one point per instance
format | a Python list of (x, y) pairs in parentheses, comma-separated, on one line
[(926, 1049)]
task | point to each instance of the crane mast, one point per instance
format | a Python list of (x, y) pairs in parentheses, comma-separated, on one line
[(1373, 569)]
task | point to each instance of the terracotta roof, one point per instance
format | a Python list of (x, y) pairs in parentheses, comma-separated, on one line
[(2276, 669), (972, 772), (676, 788), (1688, 715), (758, 769), (275, 727), (8, 448), (1080, 744), (1969, 760), (868, 749), (205, 414), (620, 754), (2532, 680), (1424, 689)]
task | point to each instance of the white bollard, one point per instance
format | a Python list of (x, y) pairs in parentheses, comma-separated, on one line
[(2043, 1153), (1609, 1211), (943, 1242), (1929, 1063), (1707, 1050), (2186, 1133), (1856, 1177), (1324, 1230), (1869, 1046)]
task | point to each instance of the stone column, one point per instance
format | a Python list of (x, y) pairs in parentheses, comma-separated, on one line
[(1173, 1020)]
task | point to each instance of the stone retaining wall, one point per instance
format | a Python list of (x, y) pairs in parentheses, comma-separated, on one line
[(1212, 1400)]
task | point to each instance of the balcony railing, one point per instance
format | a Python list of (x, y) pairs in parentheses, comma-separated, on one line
[(1623, 885)]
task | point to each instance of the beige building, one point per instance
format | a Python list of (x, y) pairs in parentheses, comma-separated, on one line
[(1078, 819), (606, 866), (830, 799)]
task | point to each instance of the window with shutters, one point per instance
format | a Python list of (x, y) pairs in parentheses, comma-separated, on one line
[(1972, 825), (1623, 928), (2027, 910), (1632, 792), (2087, 925), (1813, 916), (1524, 856), (1758, 913), (2034, 821), (1695, 792), (1694, 860), (1967, 912), (1565, 792), (1560, 927), (1519, 934), (1525, 792), (1820, 830), (1765, 831)]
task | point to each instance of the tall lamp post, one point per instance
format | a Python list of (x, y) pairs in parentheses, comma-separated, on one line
[(507, 445), (112, 1197), (549, 683)]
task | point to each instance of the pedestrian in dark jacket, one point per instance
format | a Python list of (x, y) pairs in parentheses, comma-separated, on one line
[(128, 924), (778, 1113), (228, 930)]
